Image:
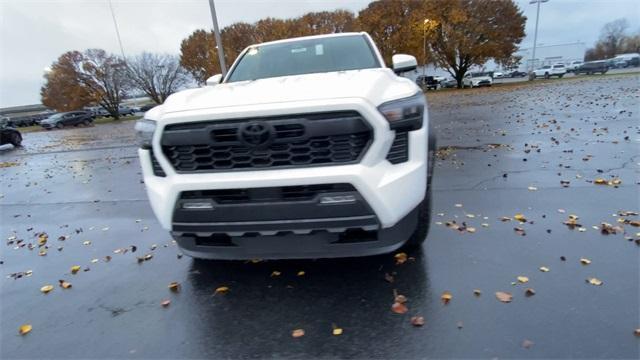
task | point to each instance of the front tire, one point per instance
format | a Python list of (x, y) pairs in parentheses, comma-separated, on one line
[(16, 140), (60, 125), (546, 75)]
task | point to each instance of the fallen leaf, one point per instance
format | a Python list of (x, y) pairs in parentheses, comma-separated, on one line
[(400, 299), (388, 278), (399, 308), (221, 290), (459, 324), (477, 292), (417, 321), (24, 329), (600, 181), (529, 292), (46, 289), (505, 297), (594, 281), (636, 332), (527, 344), (165, 303), (523, 279), (174, 286), (336, 331), (520, 217), (297, 333), (300, 273), (401, 258), (276, 273), (585, 261), (544, 269), (532, 188), (64, 284), (446, 297), (86, 242), (75, 269)]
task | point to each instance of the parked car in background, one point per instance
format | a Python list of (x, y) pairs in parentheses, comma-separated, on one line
[(617, 63), (498, 75), (449, 83), (427, 82), (517, 74), (126, 111), (97, 111), (574, 65), (147, 107), (9, 135), (71, 118), (593, 67), (477, 79), (548, 71), (631, 59)]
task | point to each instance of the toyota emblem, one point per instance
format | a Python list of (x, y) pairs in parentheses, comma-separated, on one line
[(256, 134)]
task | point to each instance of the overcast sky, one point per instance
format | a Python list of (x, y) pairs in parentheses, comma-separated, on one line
[(34, 33)]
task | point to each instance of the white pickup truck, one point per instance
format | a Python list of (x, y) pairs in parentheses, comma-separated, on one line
[(548, 71), (308, 148)]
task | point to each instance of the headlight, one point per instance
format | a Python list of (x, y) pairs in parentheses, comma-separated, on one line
[(404, 113), (144, 132)]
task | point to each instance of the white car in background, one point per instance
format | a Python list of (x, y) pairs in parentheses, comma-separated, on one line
[(548, 71), (574, 65), (477, 79)]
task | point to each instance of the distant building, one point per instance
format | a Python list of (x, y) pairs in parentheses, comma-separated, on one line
[(551, 54)]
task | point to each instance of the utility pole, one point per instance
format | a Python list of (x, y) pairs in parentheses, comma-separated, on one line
[(535, 34), (216, 30), (115, 24)]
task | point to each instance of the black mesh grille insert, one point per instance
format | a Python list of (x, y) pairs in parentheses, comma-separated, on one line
[(268, 194), (157, 169), (399, 151), (295, 140)]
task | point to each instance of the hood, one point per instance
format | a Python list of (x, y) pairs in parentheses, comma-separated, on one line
[(376, 85)]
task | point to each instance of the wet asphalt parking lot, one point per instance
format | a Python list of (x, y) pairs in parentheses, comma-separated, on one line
[(514, 164)]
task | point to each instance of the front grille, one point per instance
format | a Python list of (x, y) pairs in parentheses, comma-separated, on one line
[(267, 194), (296, 140), (157, 169), (399, 151)]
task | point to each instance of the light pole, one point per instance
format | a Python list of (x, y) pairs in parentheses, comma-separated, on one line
[(535, 34), (216, 30), (424, 46), (115, 24)]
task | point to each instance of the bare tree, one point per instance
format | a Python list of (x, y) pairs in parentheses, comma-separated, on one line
[(105, 76), (613, 35), (157, 75)]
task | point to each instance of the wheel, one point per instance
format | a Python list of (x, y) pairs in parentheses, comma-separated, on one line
[(546, 75), (86, 123), (59, 125), (424, 208), (588, 72), (560, 76), (16, 140)]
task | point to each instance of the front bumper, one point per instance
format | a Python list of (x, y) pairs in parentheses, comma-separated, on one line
[(390, 191)]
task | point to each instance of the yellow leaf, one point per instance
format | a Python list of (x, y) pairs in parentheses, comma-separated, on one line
[(399, 308), (221, 290), (45, 289), (520, 217), (174, 286), (600, 181), (297, 333), (24, 329), (523, 279), (301, 273), (64, 284), (544, 269), (446, 297), (594, 281), (337, 331), (401, 258), (75, 269), (275, 273), (471, 229), (585, 261)]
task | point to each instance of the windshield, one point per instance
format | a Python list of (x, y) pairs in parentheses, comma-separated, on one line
[(56, 116), (304, 57)]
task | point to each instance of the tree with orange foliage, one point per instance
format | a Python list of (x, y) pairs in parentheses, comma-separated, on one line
[(62, 90), (464, 33)]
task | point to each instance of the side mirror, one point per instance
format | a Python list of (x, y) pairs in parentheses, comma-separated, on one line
[(214, 80), (403, 63)]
